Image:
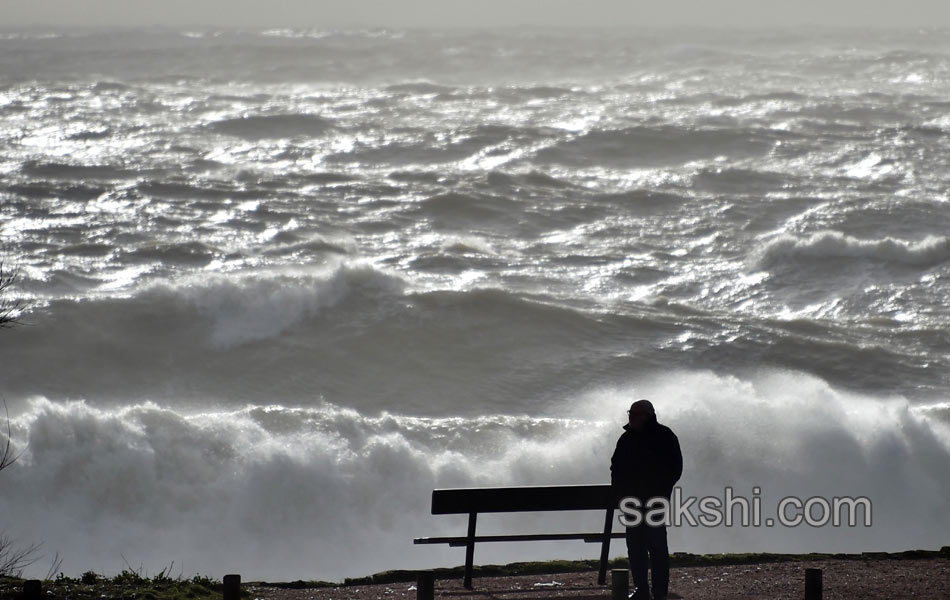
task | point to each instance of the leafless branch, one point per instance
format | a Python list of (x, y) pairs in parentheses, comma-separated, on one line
[(54, 567), (7, 456), (13, 560), (9, 309)]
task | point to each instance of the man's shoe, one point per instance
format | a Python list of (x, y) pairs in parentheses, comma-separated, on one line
[(638, 594)]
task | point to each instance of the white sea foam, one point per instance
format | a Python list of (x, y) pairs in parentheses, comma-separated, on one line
[(326, 492)]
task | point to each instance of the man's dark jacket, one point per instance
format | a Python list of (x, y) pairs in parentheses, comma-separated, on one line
[(646, 463)]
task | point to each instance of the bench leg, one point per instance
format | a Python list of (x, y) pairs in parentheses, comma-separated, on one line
[(605, 547), (469, 551)]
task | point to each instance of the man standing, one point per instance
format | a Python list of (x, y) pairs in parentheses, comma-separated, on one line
[(646, 464)]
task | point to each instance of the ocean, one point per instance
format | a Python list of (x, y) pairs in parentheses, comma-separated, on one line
[(281, 284)]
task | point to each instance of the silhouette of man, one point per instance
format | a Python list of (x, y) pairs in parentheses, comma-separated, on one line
[(646, 464)]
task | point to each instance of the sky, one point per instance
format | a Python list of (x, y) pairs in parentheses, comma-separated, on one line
[(474, 13)]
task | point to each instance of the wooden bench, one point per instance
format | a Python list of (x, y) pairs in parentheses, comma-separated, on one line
[(472, 501)]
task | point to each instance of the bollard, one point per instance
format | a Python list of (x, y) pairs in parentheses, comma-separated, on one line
[(32, 589), (425, 585), (232, 587), (619, 584), (812, 584)]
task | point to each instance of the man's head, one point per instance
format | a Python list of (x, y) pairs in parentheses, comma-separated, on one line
[(641, 412)]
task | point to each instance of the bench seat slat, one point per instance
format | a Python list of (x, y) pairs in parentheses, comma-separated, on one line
[(591, 538), (522, 499)]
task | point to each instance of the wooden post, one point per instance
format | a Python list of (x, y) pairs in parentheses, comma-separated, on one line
[(812, 584), (619, 584), (232, 587), (425, 585), (469, 551), (605, 547), (32, 589)]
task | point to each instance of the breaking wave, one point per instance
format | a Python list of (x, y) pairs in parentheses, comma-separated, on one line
[(328, 492), (930, 251)]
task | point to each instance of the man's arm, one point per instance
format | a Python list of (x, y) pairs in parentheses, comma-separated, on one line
[(678, 459), (619, 469), (615, 466), (675, 458)]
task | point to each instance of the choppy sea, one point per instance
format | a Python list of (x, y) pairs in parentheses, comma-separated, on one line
[(281, 284)]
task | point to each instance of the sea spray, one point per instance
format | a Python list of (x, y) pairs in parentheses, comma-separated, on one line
[(279, 492)]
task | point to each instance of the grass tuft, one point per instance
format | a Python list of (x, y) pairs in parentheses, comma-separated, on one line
[(127, 585)]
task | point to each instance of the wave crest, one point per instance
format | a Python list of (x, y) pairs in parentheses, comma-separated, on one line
[(257, 306), (930, 251)]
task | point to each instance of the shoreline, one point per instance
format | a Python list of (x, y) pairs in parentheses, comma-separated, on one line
[(733, 576)]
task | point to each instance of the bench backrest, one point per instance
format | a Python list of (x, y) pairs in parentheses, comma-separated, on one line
[(522, 499)]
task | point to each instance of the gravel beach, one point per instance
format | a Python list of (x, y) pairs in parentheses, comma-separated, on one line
[(870, 579)]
